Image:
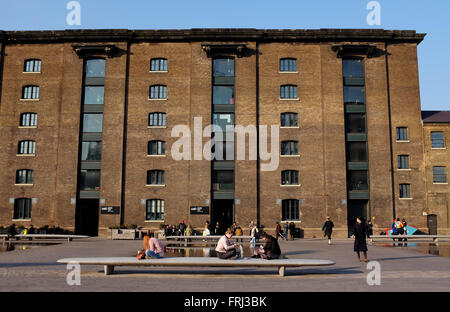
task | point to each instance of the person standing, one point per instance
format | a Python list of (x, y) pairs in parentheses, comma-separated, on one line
[(182, 227), (327, 229), (224, 249), (404, 226), (360, 238), (251, 228), (286, 231), (278, 231), (253, 234), (292, 230)]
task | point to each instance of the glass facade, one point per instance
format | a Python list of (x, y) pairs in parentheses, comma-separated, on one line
[(91, 150), (89, 180), (95, 68)]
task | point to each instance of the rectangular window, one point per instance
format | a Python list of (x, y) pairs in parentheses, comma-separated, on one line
[(356, 151), (223, 180), (158, 92), (95, 68), (24, 176), (158, 64), (439, 175), (288, 65), (156, 119), (32, 66), (92, 122), (290, 210), (355, 123), (156, 148), (288, 92), (224, 121), (223, 95), (289, 177), (402, 134), (94, 95), (223, 67), (354, 95), (89, 180), (28, 120), (30, 92), (289, 120), (403, 161), (357, 181), (289, 148), (22, 208), (405, 191), (91, 150), (353, 68), (155, 177), (27, 148), (437, 140), (154, 209)]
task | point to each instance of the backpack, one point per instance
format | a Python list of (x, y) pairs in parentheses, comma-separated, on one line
[(141, 254)]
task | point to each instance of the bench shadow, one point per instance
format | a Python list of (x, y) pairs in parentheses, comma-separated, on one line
[(298, 252), (26, 264)]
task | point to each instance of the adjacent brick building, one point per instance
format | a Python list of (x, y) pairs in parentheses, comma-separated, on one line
[(86, 122)]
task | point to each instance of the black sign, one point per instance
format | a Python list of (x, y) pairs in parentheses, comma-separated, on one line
[(200, 210), (110, 210)]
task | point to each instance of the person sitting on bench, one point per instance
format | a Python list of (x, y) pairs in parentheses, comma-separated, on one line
[(225, 249), (153, 247), (271, 249)]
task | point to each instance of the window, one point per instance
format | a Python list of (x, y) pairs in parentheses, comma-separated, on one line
[(354, 95), (437, 140), (356, 151), (24, 176), (288, 65), (223, 95), (27, 148), (95, 68), (439, 175), (30, 92), (403, 161), (224, 121), (289, 120), (289, 177), (288, 92), (357, 180), (402, 134), (353, 68), (222, 150), (223, 67), (290, 210), (154, 209), (156, 119), (405, 191), (289, 148), (89, 180), (22, 208), (28, 120), (158, 92), (92, 122), (156, 148), (223, 180), (91, 150), (355, 123), (32, 66), (158, 64), (94, 95), (155, 177)]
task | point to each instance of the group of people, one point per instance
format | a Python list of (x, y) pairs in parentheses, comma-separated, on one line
[(399, 227), (181, 230), (288, 228)]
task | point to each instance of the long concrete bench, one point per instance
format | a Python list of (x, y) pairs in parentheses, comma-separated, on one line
[(281, 264), (435, 238), (206, 238), (50, 236)]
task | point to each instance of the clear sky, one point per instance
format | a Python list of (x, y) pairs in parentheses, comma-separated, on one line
[(431, 17)]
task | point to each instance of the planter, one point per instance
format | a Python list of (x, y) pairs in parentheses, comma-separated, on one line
[(123, 234)]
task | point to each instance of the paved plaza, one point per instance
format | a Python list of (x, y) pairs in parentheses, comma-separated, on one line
[(402, 269)]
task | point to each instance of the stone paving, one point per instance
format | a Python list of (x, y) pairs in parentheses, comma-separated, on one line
[(402, 269)]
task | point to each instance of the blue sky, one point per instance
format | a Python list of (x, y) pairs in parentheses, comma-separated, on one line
[(431, 17)]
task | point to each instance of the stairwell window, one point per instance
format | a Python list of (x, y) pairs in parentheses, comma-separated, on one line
[(30, 93), (288, 92), (158, 64), (24, 176), (28, 120), (288, 65), (32, 66), (158, 92), (154, 209)]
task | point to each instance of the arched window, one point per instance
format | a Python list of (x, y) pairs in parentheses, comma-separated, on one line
[(158, 92), (288, 92), (290, 210), (289, 148), (288, 65), (289, 120), (27, 147), (154, 209), (289, 177), (30, 92), (28, 120), (22, 208), (158, 64), (32, 66), (156, 147), (156, 119), (155, 177), (24, 176)]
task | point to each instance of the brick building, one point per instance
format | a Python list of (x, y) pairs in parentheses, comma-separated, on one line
[(87, 122)]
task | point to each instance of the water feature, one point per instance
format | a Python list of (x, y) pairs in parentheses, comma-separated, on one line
[(203, 250), (438, 249), (22, 246)]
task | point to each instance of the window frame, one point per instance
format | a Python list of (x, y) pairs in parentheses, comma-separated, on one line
[(24, 147), (161, 117), (30, 92), (287, 68), (437, 175), (283, 117), (160, 90), (290, 177), (290, 90), (407, 189), (30, 118), (156, 204), (160, 148), (160, 177), (295, 148), (400, 162), (438, 140), (35, 64), (399, 134), (291, 204), (27, 175), (23, 212), (160, 62)]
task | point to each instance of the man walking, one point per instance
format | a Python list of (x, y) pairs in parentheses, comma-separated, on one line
[(327, 229)]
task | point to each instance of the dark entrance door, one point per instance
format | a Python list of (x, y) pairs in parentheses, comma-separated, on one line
[(86, 217), (355, 208), (222, 212)]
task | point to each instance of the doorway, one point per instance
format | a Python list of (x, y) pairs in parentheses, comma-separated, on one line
[(356, 208), (222, 212), (86, 217)]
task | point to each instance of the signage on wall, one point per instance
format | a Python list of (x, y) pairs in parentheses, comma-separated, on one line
[(110, 210), (199, 210)]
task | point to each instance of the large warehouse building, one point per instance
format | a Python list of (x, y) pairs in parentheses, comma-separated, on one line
[(106, 127)]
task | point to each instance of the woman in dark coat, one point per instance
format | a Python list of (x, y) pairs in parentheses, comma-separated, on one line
[(360, 239), (327, 229)]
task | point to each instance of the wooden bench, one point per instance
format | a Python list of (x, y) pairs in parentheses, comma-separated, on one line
[(435, 238), (49, 236), (281, 264)]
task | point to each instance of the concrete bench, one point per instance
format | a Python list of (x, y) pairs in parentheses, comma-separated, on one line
[(435, 238), (281, 264), (49, 236), (214, 238)]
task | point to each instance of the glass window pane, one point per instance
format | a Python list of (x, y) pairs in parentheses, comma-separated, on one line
[(356, 123), (223, 120), (402, 134), (223, 95), (223, 67), (95, 68), (92, 122), (437, 140), (403, 162), (91, 151), (358, 181), (439, 175), (354, 95), (353, 68), (356, 151), (89, 180), (94, 95)]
